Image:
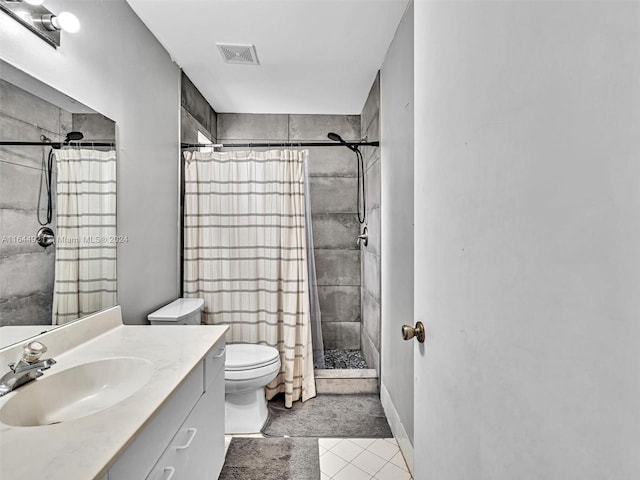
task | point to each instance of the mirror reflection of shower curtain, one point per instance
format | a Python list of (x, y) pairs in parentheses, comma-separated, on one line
[(245, 254), (85, 267)]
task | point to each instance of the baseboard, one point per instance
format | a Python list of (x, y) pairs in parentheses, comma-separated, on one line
[(397, 427)]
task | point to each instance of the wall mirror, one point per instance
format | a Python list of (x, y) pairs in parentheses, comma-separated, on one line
[(58, 237)]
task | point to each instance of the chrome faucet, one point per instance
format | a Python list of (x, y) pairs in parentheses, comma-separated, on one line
[(28, 368)]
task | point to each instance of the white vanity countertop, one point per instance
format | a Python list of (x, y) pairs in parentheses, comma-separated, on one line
[(86, 447)]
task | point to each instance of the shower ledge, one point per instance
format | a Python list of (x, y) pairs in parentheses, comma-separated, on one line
[(352, 380)]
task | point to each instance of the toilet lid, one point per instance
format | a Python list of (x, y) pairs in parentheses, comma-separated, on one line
[(177, 310), (242, 356)]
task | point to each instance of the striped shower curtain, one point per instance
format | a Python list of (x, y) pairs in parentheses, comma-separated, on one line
[(85, 267), (245, 255)]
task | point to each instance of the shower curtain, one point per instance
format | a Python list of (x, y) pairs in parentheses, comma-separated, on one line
[(245, 254), (85, 267)]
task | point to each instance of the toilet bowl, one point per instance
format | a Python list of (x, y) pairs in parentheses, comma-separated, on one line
[(248, 369)]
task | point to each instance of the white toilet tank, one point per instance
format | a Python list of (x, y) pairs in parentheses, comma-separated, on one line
[(183, 311)]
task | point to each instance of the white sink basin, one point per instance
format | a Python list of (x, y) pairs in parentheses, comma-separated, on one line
[(76, 392)]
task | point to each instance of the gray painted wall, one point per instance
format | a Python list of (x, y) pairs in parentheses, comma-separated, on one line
[(26, 269), (333, 205), (139, 88), (370, 255), (396, 83)]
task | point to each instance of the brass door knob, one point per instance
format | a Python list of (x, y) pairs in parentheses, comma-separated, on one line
[(409, 332)]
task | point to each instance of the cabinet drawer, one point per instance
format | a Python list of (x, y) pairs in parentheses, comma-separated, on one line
[(196, 451), (214, 363), (143, 453)]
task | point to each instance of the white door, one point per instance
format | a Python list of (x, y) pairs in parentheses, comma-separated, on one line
[(527, 240)]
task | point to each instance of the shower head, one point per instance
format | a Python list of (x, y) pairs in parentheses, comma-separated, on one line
[(337, 138), (73, 137)]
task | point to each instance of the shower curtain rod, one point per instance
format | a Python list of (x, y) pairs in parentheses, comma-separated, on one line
[(359, 143), (58, 145)]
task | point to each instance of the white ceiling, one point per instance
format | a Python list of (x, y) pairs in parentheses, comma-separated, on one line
[(316, 56)]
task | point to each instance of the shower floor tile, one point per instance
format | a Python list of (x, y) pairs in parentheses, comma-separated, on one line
[(344, 359)]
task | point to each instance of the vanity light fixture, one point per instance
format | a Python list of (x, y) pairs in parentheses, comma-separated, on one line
[(64, 21), (45, 24)]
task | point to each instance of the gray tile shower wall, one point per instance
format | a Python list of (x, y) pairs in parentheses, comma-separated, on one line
[(26, 269), (333, 182), (195, 114), (370, 255), (94, 126)]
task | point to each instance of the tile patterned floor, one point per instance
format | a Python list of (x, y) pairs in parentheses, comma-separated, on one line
[(362, 459), (358, 459)]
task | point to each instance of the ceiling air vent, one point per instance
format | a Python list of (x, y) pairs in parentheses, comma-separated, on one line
[(240, 54)]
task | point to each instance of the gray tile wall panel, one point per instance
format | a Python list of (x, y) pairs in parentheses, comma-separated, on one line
[(372, 106), (248, 126), (333, 194), (370, 291), (195, 103), (26, 269), (12, 129), (375, 235), (341, 335), (66, 124), (18, 229), (372, 179), (332, 162), (335, 231), (371, 274), (94, 126), (371, 155), (24, 275), (371, 318), (189, 127), (371, 354), (337, 267), (22, 105), (18, 185), (31, 310), (316, 127), (339, 303)]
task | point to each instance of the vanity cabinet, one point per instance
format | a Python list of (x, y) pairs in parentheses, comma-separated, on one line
[(185, 439)]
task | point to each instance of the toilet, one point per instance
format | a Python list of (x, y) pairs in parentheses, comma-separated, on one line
[(248, 369)]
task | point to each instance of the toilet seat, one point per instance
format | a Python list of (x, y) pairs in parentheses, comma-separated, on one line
[(249, 357)]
